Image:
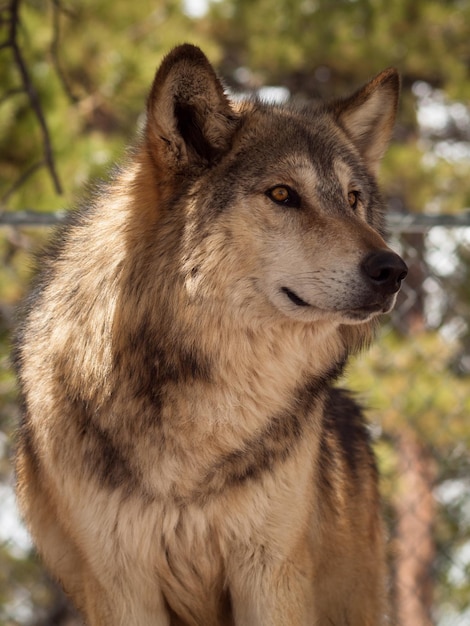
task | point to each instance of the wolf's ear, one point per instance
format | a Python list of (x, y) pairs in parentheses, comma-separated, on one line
[(369, 114), (189, 118)]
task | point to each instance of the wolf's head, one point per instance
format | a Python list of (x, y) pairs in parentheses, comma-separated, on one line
[(278, 206)]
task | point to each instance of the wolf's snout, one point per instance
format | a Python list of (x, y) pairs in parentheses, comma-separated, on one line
[(385, 271)]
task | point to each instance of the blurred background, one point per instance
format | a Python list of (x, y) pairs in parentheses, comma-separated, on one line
[(73, 81)]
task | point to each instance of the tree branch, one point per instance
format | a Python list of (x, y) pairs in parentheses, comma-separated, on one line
[(21, 180), (32, 93), (57, 9)]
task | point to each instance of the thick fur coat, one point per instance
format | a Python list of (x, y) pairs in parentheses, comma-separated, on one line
[(183, 457)]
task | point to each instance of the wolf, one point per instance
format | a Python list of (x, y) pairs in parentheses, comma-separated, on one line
[(184, 457)]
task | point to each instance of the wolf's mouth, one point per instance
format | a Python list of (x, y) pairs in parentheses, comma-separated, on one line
[(359, 313), (293, 297)]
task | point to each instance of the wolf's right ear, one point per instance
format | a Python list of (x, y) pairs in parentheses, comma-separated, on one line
[(190, 122)]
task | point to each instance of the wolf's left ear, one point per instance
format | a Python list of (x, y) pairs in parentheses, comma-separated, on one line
[(189, 119), (369, 114)]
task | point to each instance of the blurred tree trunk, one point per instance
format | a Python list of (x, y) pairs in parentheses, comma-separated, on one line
[(415, 507), (416, 550)]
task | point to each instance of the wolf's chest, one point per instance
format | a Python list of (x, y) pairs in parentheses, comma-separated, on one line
[(175, 551)]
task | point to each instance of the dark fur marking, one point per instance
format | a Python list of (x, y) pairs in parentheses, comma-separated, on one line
[(343, 419), (272, 445), (147, 362), (344, 445), (153, 367), (101, 456)]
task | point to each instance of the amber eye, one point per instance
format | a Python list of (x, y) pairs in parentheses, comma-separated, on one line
[(280, 194), (283, 194), (353, 199)]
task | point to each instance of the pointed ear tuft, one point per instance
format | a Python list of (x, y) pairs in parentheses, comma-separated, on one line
[(190, 122), (369, 114)]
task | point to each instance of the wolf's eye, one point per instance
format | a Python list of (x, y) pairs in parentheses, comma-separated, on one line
[(353, 199), (283, 194)]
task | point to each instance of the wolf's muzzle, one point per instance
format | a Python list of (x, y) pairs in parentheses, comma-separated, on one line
[(384, 270)]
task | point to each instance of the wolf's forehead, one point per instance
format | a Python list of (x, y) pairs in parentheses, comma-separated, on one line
[(304, 156), (316, 144), (306, 169)]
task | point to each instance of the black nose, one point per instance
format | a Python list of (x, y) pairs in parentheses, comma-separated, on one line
[(385, 271)]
